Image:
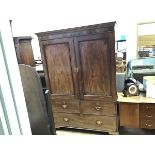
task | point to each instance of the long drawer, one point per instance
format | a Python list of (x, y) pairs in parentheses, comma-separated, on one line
[(69, 106), (100, 123), (98, 108), (147, 116)]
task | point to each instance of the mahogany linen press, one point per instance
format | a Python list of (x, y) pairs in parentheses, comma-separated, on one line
[(80, 72)]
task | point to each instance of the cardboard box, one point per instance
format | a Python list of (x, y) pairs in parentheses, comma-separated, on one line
[(150, 88), (146, 79)]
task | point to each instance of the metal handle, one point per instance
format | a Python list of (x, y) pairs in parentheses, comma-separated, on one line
[(149, 116), (66, 119), (150, 107), (98, 108), (149, 125), (98, 122), (64, 106)]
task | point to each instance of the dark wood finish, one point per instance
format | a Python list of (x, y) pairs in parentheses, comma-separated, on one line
[(78, 31), (24, 50), (50, 112), (60, 65), (129, 115), (67, 106), (137, 115), (79, 66), (147, 109), (94, 62), (98, 108), (147, 116), (147, 123), (100, 123)]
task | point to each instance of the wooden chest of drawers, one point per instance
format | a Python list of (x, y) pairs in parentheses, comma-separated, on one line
[(147, 116), (76, 114), (137, 112)]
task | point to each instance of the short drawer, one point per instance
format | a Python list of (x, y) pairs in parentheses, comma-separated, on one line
[(147, 108), (147, 123), (69, 106), (147, 115), (98, 108), (100, 123)]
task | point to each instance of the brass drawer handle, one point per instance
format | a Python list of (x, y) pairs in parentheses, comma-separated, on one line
[(66, 119), (150, 107), (149, 116), (98, 108), (64, 106), (149, 125), (98, 122)]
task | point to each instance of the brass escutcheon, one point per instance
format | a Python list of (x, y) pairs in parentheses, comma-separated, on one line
[(98, 122), (64, 106), (66, 119), (98, 108)]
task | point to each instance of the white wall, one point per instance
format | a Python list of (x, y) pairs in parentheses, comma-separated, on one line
[(30, 16), (146, 29)]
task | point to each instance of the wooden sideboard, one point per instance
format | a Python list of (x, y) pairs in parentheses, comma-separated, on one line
[(136, 111)]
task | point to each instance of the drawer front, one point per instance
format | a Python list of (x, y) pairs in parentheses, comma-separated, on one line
[(147, 111), (98, 108), (147, 108), (69, 106), (147, 123), (100, 123), (147, 115)]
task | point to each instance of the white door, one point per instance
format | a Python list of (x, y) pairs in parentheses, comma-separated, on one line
[(13, 112)]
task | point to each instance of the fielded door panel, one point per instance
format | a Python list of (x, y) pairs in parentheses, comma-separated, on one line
[(94, 61), (61, 68)]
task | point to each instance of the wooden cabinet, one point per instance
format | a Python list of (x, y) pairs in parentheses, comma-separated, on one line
[(137, 112), (24, 50), (147, 116), (79, 65)]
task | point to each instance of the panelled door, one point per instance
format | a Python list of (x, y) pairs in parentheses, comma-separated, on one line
[(61, 68), (94, 66)]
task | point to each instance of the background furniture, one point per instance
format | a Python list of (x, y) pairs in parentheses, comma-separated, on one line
[(136, 111), (120, 53), (24, 50), (41, 119), (40, 71), (80, 72), (120, 79), (138, 68)]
